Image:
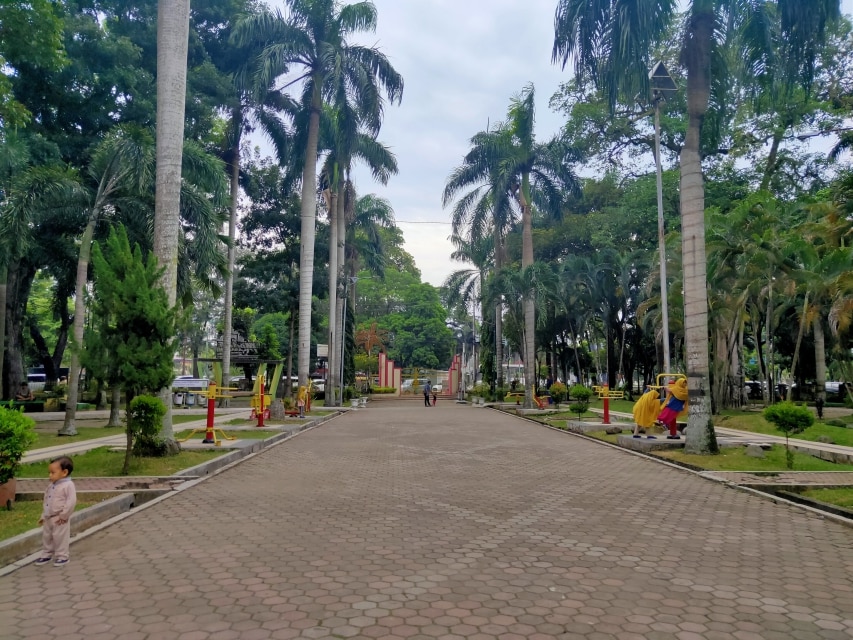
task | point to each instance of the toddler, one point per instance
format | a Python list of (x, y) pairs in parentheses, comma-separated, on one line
[(59, 502)]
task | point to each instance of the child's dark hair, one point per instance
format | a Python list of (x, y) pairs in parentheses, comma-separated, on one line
[(65, 463)]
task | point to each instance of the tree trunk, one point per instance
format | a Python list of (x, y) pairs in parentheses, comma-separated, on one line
[(115, 406), (700, 436), (820, 357), (19, 282), (129, 432), (797, 348), (529, 302), (306, 246), (227, 321), (173, 21), (332, 374), (768, 369), (342, 219), (4, 276), (68, 426), (499, 344)]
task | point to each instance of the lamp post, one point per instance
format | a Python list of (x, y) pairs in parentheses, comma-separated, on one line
[(662, 85)]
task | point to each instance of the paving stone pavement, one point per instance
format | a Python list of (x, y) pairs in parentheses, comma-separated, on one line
[(404, 522)]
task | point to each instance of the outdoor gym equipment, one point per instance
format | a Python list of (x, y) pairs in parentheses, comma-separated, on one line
[(605, 393), (213, 393), (260, 402)]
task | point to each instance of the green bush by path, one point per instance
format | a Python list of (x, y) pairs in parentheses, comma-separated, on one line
[(735, 459), (25, 515), (103, 463)]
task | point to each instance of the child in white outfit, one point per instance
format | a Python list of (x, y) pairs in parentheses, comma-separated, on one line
[(59, 502)]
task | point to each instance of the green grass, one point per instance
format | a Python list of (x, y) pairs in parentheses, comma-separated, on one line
[(24, 516), (840, 497), (755, 423), (177, 418), (101, 463), (735, 459), (83, 433), (240, 435)]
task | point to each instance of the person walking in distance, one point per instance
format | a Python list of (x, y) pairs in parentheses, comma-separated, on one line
[(59, 502), (427, 389)]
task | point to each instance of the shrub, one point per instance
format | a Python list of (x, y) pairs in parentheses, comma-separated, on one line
[(581, 396), (16, 436), (790, 419), (383, 390), (500, 393), (144, 423), (481, 390), (558, 392)]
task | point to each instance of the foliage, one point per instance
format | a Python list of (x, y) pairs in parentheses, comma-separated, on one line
[(145, 419), (17, 434), (382, 390), (134, 322), (790, 419), (558, 392), (581, 395)]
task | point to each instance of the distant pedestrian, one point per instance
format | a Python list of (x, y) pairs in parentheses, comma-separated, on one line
[(427, 390), (819, 406), (59, 502), (434, 396)]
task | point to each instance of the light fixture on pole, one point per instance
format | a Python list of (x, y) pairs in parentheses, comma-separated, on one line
[(662, 85)]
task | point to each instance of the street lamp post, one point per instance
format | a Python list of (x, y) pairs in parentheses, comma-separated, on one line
[(662, 84)]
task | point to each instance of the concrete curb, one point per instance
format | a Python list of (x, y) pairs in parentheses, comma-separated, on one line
[(102, 515), (824, 515)]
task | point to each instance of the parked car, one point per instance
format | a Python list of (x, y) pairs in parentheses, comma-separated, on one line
[(408, 385)]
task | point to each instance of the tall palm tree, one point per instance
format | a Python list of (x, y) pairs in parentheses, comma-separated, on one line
[(173, 25), (611, 42), (538, 174), (486, 205), (313, 40)]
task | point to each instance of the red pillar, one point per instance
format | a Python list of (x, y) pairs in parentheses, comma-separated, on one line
[(209, 435), (606, 405)]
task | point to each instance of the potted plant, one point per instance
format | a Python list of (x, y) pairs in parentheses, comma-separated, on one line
[(16, 436)]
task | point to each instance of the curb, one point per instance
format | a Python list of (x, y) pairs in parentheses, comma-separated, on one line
[(97, 517), (823, 515)]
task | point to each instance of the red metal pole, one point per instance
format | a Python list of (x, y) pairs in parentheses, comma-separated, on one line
[(261, 383), (606, 405), (209, 435)]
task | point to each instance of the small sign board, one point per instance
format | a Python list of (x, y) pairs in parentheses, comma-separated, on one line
[(242, 351), (322, 351)]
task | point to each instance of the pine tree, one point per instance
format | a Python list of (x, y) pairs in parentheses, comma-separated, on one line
[(135, 324)]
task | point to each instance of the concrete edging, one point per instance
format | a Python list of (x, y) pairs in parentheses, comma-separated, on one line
[(22, 550), (845, 522)]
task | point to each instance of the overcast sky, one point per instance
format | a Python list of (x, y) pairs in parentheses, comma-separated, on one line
[(462, 61)]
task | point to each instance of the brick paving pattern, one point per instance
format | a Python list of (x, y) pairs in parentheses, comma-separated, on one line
[(454, 523)]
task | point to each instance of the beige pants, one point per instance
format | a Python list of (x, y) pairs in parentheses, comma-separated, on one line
[(55, 539)]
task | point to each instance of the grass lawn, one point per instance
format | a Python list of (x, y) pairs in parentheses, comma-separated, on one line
[(83, 433), (102, 463), (257, 434), (841, 497), (25, 516), (755, 423), (735, 459)]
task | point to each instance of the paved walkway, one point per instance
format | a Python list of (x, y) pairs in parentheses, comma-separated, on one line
[(449, 522)]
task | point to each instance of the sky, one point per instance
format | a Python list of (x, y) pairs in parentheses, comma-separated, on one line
[(461, 61)]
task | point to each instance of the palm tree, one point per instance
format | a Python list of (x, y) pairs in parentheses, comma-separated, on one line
[(120, 167), (173, 24), (611, 43), (535, 172), (313, 39), (486, 205)]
